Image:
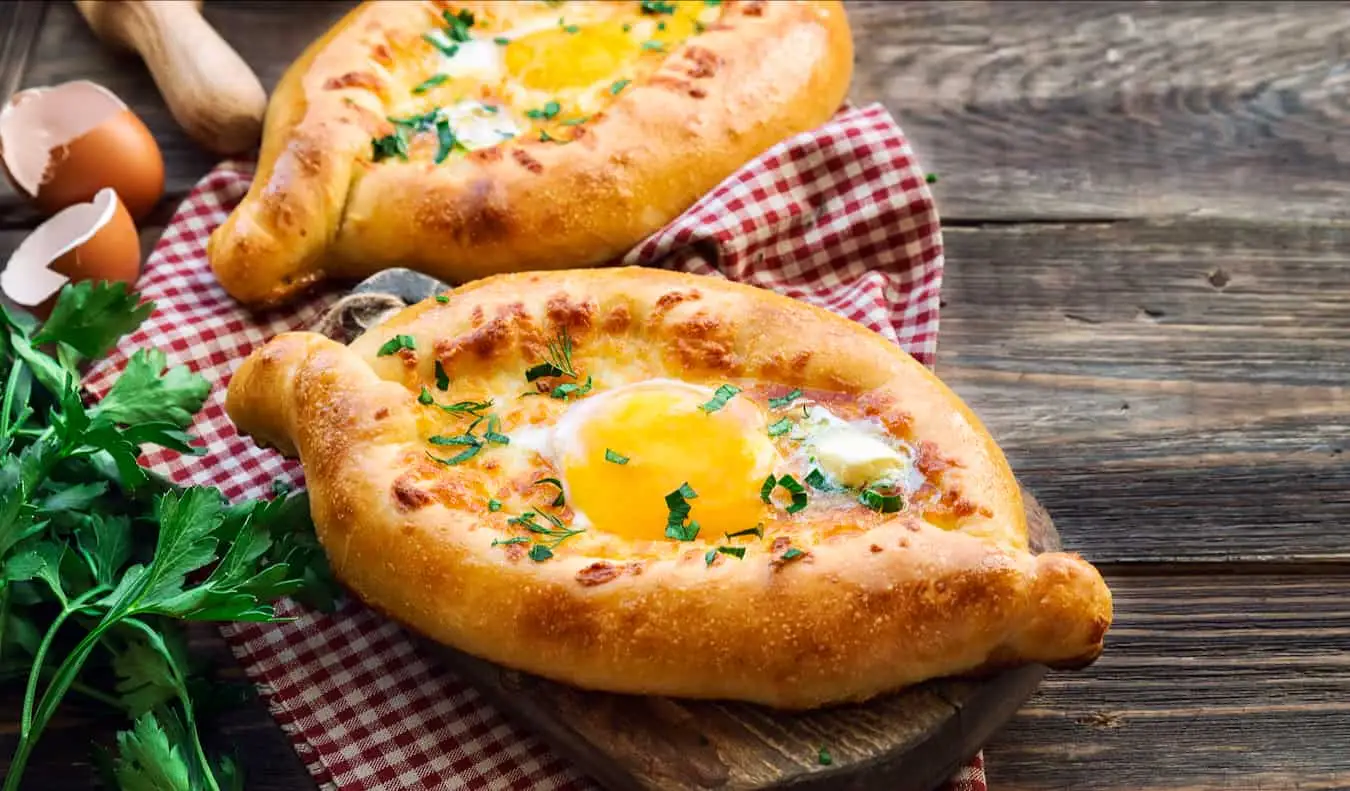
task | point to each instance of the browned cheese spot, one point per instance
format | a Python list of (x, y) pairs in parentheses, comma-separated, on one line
[(526, 160), (618, 319), (354, 79), (707, 342), (564, 312), (407, 496), (598, 573), (702, 62)]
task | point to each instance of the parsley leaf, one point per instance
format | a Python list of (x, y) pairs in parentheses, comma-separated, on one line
[(558, 501), (445, 141), (657, 7), (615, 458), (442, 378), (562, 391), (721, 396), (395, 344), (429, 83), (678, 505), (391, 145), (91, 316), (146, 392), (618, 85), (786, 400), (780, 427), (549, 111)]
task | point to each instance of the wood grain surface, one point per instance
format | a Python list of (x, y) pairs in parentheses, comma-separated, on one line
[(1147, 299)]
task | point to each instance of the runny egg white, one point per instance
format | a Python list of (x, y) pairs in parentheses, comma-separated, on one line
[(621, 452)]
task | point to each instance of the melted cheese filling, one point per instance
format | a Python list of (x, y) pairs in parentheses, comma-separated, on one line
[(544, 68)]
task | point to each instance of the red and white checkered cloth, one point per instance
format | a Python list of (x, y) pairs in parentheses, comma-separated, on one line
[(840, 217)]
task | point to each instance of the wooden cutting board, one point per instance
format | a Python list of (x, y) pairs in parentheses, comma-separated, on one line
[(909, 741)]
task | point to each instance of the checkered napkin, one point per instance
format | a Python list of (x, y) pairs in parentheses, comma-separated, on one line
[(840, 217)]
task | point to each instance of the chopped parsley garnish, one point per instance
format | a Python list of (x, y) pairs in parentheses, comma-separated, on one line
[(394, 145), (557, 359), (547, 112), (779, 403), (735, 552), (443, 299), (445, 141), (699, 27), (494, 505), (617, 85), (558, 501), (502, 40), (793, 488), (780, 427), (496, 542), (553, 534), (576, 121), (458, 25), (792, 553), (571, 29), (615, 458), (492, 434), (660, 25), (767, 489), (712, 2), (429, 83), (657, 7), (562, 391), (442, 379), (545, 137), (417, 123), (885, 502), (425, 398), (464, 456), (931, 178), (824, 757), (459, 439), (467, 407), (394, 344), (721, 396), (654, 46), (627, 27), (757, 531), (442, 42), (816, 480), (492, 109), (678, 503)]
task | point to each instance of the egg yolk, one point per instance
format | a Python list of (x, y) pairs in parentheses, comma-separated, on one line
[(724, 455), (556, 60)]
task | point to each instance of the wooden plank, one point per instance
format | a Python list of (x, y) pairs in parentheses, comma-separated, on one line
[(1171, 392), (1128, 110), (1221, 682), (1117, 109)]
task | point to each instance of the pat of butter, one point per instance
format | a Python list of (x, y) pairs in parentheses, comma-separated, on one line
[(856, 459), (476, 127)]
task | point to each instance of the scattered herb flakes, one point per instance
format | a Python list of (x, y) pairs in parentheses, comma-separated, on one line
[(459, 458), (793, 488), (497, 542), (425, 398), (442, 380), (494, 505), (562, 391), (576, 121), (735, 552), (824, 757), (457, 25), (656, 7), (884, 502), (618, 85), (615, 458), (699, 27), (393, 145), (429, 83), (445, 140), (678, 503), (710, 556), (721, 396), (712, 2), (558, 501), (779, 403), (816, 480), (661, 26), (548, 112), (757, 531), (780, 427), (931, 178), (458, 439), (791, 554), (571, 29), (627, 28), (442, 42), (443, 299), (553, 535), (767, 489), (654, 46), (493, 435), (417, 123), (502, 40), (394, 344), (557, 359), (540, 552), (467, 407)]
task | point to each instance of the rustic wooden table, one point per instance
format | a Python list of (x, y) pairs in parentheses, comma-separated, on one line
[(1145, 213)]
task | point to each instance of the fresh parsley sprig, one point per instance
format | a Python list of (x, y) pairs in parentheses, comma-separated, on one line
[(101, 562)]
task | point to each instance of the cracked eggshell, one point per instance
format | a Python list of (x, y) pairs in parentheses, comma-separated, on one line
[(60, 145), (88, 241)]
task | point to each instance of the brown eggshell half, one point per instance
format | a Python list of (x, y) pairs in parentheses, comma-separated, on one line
[(88, 241), (59, 146)]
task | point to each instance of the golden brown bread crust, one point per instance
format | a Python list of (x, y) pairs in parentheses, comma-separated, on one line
[(877, 603), (319, 207)]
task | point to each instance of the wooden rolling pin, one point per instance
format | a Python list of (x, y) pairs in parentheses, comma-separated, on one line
[(210, 90)]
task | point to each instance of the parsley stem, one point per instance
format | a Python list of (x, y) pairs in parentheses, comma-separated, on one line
[(11, 389), (31, 723)]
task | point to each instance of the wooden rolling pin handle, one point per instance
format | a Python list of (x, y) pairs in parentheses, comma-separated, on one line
[(210, 90)]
